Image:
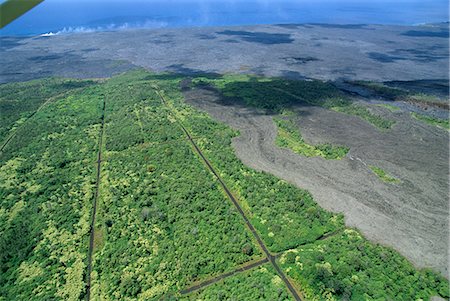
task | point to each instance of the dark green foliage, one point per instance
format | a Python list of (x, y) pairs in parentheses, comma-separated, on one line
[(163, 222), (383, 90), (46, 183), (172, 224), (349, 267), (275, 95), (277, 209), (18, 101)]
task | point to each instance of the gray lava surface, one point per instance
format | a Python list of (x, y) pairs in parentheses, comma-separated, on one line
[(321, 51), (412, 216)]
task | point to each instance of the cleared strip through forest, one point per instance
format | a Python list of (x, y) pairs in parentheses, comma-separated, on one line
[(94, 204), (220, 277), (31, 116), (270, 257), (252, 265)]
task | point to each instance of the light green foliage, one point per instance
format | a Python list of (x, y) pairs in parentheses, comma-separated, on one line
[(18, 101), (349, 267), (365, 114), (441, 123), (166, 222), (383, 175), (163, 222), (389, 107), (289, 136), (382, 89), (46, 187), (284, 215), (261, 283)]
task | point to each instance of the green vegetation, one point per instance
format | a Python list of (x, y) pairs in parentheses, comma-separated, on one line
[(426, 99), (163, 222), (258, 284), (18, 101), (289, 136), (348, 267), (383, 175), (399, 94), (272, 94), (383, 90), (162, 228), (441, 123), (284, 215), (46, 186), (287, 216), (389, 107), (276, 95), (365, 114)]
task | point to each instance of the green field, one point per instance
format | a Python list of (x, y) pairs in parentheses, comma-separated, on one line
[(163, 221)]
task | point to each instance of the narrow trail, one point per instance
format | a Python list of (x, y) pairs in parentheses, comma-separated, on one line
[(220, 277), (94, 205), (269, 256), (13, 134), (248, 266)]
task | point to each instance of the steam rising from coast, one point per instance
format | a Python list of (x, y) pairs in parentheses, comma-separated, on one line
[(147, 24)]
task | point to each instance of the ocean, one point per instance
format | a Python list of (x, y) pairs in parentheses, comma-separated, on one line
[(70, 16)]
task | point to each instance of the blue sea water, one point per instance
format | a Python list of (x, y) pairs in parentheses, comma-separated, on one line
[(65, 16)]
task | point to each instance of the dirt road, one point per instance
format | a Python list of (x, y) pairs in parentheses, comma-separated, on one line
[(411, 217)]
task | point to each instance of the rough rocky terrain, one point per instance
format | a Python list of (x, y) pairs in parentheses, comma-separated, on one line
[(411, 216), (322, 51)]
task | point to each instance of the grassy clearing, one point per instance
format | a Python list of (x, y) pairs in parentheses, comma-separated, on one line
[(290, 137), (383, 175), (441, 123), (388, 107)]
